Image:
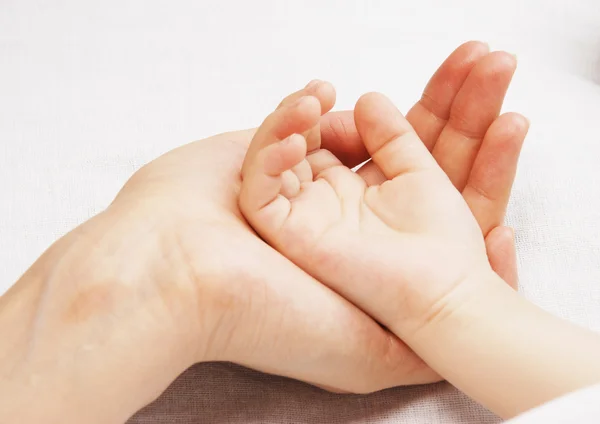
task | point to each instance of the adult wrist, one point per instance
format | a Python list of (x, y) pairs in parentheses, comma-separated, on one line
[(202, 297), (96, 327)]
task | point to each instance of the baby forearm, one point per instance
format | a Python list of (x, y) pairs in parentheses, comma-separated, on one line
[(507, 353)]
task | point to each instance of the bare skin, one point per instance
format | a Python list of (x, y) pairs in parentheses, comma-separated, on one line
[(171, 274), (410, 252), (329, 221)]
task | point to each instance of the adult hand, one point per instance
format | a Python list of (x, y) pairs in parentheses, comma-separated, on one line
[(458, 120), (171, 274), (266, 313)]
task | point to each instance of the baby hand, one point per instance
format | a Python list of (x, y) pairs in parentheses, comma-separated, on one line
[(399, 250)]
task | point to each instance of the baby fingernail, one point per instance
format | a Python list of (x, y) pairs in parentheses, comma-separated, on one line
[(298, 101), (312, 84), (289, 139)]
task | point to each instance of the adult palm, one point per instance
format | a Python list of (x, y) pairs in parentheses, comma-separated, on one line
[(250, 305)]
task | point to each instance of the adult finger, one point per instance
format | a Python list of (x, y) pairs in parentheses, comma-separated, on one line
[(430, 114), (474, 109), (501, 251), (488, 187)]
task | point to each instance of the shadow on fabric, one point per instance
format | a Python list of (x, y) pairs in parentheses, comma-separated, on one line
[(225, 393)]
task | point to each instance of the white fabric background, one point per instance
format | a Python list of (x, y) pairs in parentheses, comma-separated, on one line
[(90, 91), (581, 407)]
